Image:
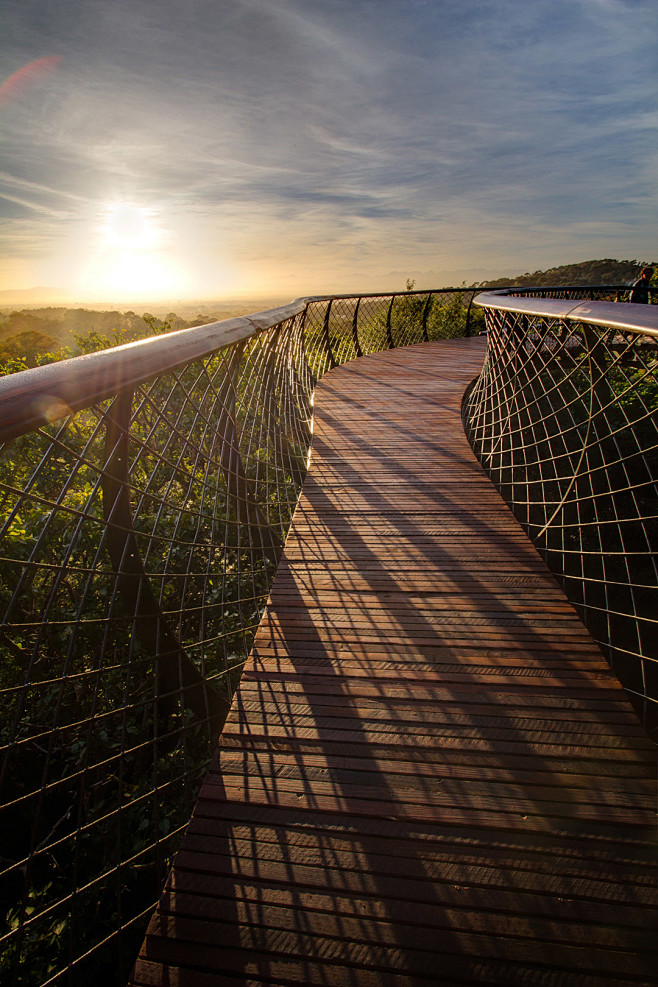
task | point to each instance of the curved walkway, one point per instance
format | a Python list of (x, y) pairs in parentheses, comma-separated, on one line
[(429, 774)]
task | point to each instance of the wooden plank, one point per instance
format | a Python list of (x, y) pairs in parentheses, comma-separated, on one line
[(508, 850), (429, 773), (382, 951), (277, 910)]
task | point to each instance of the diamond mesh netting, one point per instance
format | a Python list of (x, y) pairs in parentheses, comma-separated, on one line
[(564, 421)]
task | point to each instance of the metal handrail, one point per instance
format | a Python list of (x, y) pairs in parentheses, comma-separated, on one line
[(628, 317), (145, 495), (595, 292), (564, 419), (44, 394), (84, 380)]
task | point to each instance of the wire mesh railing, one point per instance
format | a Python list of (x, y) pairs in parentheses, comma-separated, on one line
[(145, 496), (564, 419), (599, 293), (345, 327)]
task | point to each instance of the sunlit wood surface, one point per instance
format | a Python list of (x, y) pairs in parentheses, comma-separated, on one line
[(429, 775)]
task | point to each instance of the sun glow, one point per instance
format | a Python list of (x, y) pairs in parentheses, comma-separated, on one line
[(129, 227), (131, 258)]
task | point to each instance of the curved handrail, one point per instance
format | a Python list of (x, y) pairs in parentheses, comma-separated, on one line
[(84, 380), (49, 392), (642, 319), (46, 393), (564, 419), (594, 292)]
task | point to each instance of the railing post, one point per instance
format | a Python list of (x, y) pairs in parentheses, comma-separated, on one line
[(426, 312), (176, 674), (355, 329), (275, 406), (389, 331), (300, 395), (312, 376), (325, 336), (599, 379)]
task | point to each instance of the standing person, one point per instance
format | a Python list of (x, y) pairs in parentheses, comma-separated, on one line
[(641, 288)]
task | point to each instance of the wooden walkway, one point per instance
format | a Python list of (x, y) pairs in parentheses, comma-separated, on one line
[(429, 775)]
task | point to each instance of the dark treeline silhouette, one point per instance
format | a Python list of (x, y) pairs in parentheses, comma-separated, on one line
[(607, 271)]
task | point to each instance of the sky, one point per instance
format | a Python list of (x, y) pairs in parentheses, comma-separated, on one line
[(219, 148)]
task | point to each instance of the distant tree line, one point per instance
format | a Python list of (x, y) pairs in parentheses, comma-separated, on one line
[(607, 271), (31, 338)]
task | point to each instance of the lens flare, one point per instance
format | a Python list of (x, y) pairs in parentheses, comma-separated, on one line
[(27, 76), (50, 408)]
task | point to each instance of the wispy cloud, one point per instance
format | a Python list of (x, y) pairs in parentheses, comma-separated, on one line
[(36, 206), (312, 132), (12, 181)]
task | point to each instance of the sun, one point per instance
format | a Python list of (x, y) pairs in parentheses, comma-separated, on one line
[(131, 258), (129, 227)]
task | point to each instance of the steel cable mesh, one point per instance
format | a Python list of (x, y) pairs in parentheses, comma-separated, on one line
[(599, 293), (339, 329), (563, 418), (138, 541)]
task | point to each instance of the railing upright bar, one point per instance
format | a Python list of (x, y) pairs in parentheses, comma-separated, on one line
[(426, 310), (326, 338), (305, 345), (355, 329), (467, 330), (176, 675), (389, 331)]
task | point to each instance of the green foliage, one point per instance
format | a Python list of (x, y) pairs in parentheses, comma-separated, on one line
[(93, 341), (440, 316), (448, 318), (29, 347), (32, 347)]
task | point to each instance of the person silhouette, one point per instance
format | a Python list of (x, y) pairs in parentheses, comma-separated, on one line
[(642, 287)]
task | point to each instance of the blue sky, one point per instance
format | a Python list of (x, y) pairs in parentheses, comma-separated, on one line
[(224, 147)]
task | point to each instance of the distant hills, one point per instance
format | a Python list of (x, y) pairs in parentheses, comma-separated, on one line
[(607, 271)]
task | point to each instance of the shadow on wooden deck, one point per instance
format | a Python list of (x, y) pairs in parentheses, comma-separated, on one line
[(429, 774)]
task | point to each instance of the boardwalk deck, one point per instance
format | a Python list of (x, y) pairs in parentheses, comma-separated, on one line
[(429, 774)]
